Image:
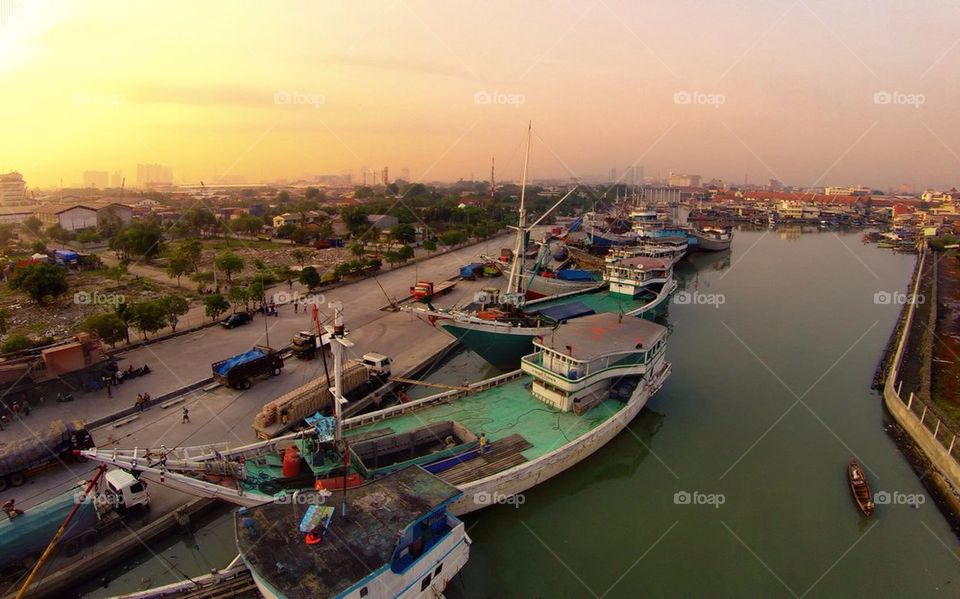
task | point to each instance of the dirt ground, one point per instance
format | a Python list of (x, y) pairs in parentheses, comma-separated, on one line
[(946, 348)]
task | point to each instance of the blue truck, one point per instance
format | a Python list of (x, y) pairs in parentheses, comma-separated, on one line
[(24, 536)]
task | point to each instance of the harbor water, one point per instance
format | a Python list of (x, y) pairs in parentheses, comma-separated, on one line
[(732, 482)]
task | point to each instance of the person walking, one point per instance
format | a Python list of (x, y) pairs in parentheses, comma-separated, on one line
[(139, 403), (296, 307), (186, 416), (109, 392)]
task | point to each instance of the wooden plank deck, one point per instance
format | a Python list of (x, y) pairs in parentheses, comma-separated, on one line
[(503, 453)]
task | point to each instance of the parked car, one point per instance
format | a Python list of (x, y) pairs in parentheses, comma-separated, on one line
[(235, 320)]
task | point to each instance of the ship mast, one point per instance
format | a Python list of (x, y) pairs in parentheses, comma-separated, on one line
[(516, 269)]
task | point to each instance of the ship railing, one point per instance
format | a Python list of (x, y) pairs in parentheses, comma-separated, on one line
[(439, 398)]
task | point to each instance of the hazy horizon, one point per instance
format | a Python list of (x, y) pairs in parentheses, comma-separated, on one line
[(810, 93)]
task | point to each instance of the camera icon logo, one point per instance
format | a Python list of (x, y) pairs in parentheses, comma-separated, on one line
[(882, 298), (482, 97), (882, 98), (81, 297), (282, 97), (682, 97), (683, 298), (881, 498), (681, 498)]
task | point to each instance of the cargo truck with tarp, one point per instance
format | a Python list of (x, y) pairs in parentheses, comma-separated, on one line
[(238, 371), (23, 457)]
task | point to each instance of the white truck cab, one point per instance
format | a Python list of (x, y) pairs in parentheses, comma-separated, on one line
[(377, 364), (125, 490)]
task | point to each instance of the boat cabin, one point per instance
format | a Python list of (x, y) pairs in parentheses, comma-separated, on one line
[(578, 365), (632, 275)]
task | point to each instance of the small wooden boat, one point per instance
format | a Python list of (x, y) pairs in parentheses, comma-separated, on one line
[(860, 487)]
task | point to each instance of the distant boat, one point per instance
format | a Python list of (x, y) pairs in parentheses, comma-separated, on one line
[(860, 488), (714, 239)]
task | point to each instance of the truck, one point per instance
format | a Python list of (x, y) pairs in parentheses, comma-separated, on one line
[(305, 344), (238, 371), (25, 536), (19, 459), (424, 291), (360, 377), (70, 360)]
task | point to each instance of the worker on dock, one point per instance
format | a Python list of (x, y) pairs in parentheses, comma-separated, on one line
[(10, 509), (483, 443)]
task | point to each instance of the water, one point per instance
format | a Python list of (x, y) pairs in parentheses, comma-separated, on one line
[(772, 359)]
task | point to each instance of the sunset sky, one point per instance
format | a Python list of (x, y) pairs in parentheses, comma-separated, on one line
[(267, 90)]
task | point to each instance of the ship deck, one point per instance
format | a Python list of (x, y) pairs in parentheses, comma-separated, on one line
[(602, 302), (352, 548), (503, 411)]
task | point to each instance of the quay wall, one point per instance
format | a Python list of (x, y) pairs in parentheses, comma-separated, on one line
[(923, 430)]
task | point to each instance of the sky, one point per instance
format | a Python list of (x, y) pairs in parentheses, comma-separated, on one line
[(808, 92)]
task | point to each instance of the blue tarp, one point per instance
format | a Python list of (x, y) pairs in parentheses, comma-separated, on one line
[(65, 255), (243, 358), (566, 311), (471, 270), (576, 275)]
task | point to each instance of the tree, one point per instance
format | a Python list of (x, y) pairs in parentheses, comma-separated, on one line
[(430, 245), (107, 326), (325, 229), (16, 342), (312, 193), (174, 307), (177, 266), (238, 295), (404, 233), (202, 279), (144, 239), (342, 269), (126, 315), (58, 233), (300, 256), (200, 219), (310, 277), (215, 305), (283, 196), (353, 217), (249, 224), (39, 247), (33, 225), (357, 249), (39, 281), (255, 291), (6, 233), (392, 257), (191, 251), (229, 263), (405, 253), (148, 316), (117, 272), (452, 237)]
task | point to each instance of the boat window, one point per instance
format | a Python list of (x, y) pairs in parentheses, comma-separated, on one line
[(425, 583), (438, 570), (364, 592)]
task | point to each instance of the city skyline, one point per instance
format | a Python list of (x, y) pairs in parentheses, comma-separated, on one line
[(809, 94)]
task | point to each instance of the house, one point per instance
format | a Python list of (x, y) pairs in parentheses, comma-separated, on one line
[(71, 218), (382, 222), (287, 218), (15, 214)]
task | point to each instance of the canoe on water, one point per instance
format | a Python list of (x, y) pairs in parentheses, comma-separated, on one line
[(860, 488)]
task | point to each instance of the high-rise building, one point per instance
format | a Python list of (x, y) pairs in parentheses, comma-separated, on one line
[(153, 174), (96, 179), (364, 175), (678, 180), (13, 190), (116, 180), (613, 175), (633, 176)]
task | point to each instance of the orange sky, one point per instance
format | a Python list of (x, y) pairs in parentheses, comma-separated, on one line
[(270, 90)]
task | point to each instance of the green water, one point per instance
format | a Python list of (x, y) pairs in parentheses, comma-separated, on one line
[(798, 320)]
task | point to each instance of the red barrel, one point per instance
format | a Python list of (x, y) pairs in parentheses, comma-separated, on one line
[(291, 462)]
